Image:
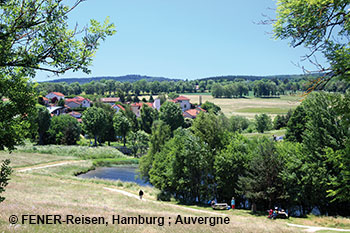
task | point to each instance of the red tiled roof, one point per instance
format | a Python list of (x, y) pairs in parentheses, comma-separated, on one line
[(119, 106), (194, 112), (46, 99), (77, 101), (57, 93), (150, 104), (181, 97), (137, 104)]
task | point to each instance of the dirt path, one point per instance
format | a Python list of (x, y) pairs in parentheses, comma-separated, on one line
[(162, 203), (53, 164), (314, 229)]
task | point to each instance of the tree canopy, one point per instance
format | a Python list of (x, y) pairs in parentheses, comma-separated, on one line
[(35, 35), (321, 26)]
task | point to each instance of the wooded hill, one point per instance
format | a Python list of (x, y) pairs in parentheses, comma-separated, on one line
[(134, 78)]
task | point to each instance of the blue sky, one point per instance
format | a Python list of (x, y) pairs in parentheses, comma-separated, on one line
[(186, 39)]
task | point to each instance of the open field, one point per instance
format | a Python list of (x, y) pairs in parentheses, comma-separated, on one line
[(251, 106), (54, 190)]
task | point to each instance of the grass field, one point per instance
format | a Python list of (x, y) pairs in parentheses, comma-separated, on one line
[(249, 106), (54, 190)]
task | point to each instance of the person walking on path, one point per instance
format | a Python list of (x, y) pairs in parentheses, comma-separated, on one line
[(141, 194), (233, 203)]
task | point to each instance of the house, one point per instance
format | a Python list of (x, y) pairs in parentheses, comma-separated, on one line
[(76, 115), (110, 100), (183, 101), (56, 110), (192, 113), (86, 103), (136, 107), (118, 107), (46, 101), (156, 104), (77, 102), (52, 95)]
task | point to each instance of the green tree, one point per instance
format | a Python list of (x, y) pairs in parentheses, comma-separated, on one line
[(261, 183), (35, 36), (181, 168), (238, 123), (109, 132), (160, 134), (43, 121), (263, 122), (131, 116), (279, 122), (296, 125), (209, 129), (171, 114), (211, 107), (64, 129), (217, 91), (5, 172), (173, 95), (321, 26), (148, 116), (139, 142), (231, 163), (94, 122), (121, 125)]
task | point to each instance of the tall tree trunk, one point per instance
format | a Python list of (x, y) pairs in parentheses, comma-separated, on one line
[(95, 140)]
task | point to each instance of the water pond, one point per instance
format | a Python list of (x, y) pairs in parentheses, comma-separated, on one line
[(122, 173)]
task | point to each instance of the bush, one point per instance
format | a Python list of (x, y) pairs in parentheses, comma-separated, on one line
[(64, 129)]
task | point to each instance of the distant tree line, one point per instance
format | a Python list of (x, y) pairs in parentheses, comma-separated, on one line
[(220, 88)]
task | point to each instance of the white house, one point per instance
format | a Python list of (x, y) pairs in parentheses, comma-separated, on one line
[(52, 95), (156, 104), (183, 101)]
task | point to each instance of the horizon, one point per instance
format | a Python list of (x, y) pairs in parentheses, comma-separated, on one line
[(170, 78)]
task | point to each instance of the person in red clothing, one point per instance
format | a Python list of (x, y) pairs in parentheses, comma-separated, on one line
[(233, 203)]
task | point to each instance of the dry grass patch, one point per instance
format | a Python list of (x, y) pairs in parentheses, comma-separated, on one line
[(36, 194), (251, 106)]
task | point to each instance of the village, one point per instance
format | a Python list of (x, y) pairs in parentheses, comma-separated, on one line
[(53, 102)]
